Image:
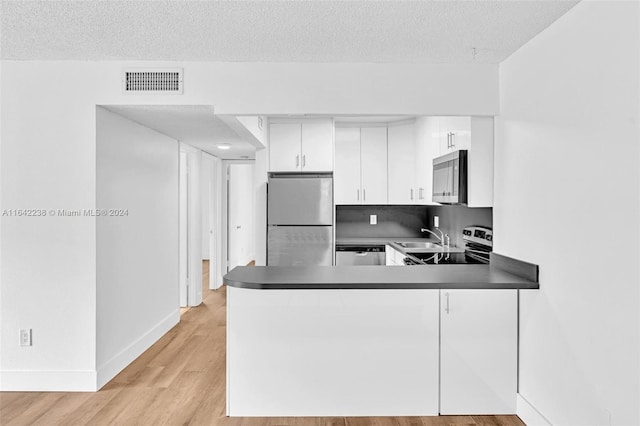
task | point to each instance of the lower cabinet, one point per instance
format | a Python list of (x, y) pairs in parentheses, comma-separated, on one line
[(478, 351)]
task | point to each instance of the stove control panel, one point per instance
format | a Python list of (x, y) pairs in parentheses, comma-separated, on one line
[(478, 235)]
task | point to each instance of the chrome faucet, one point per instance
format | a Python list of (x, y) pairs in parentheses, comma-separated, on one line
[(442, 237)]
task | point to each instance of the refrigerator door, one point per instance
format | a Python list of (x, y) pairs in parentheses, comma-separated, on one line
[(299, 245), (299, 200)]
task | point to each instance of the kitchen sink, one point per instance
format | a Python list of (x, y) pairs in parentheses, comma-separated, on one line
[(419, 245)]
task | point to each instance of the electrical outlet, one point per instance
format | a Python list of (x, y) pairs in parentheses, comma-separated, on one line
[(436, 221), (25, 337), (373, 219)]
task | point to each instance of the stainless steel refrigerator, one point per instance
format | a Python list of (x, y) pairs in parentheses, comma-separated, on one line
[(299, 219)]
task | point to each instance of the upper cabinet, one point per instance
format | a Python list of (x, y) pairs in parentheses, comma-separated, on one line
[(305, 146), (373, 165), (386, 163), (401, 154), (454, 133), (360, 175)]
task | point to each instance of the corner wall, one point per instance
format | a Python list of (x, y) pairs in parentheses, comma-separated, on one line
[(137, 295), (567, 198)]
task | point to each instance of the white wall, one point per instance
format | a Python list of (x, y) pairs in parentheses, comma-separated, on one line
[(137, 296), (567, 198), (49, 161), (48, 263)]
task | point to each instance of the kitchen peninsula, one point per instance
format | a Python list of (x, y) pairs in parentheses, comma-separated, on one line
[(372, 340)]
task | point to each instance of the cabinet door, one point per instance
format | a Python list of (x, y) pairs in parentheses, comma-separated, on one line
[(401, 165), (454, 133), (460, 129), (427, 148), (284, 147), (478, 351), (346, 177), (373, 164), (317, 146)]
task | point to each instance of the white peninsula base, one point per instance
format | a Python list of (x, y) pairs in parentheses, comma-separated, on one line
[(332, 352)]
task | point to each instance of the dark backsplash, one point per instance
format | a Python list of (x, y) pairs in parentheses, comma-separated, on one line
[(393, 221), (406, 221)]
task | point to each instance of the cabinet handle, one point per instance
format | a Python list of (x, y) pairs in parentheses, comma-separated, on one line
[(358, 194), (446, 309), (453, 140), (411, 194), (304, 160), (297, 161), (364, 195), (420, 196), (448, 140)]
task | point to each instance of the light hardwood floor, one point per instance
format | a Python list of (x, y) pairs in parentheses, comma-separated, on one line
[(180, 380)]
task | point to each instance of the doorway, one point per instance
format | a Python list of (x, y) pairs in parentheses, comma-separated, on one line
[(211, 194), (240, 214)]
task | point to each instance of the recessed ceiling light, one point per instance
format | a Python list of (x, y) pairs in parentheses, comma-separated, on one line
[(224, 146)]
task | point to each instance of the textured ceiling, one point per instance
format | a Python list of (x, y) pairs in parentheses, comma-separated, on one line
[(274, 31), (193, 125)]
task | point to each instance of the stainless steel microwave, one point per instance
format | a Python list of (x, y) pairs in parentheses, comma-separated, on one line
[(450, 178)]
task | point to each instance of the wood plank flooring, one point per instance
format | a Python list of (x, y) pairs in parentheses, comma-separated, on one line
[(180, 380)]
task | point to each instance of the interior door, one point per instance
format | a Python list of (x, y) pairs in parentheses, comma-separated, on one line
[(240, 215), (373, 163), (346, 183)]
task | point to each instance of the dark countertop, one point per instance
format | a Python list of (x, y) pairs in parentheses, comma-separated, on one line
[(375, 277), (378, 240)]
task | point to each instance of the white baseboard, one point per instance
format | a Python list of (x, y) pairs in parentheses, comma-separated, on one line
[(530, 414), (48, 381), (119, 362)]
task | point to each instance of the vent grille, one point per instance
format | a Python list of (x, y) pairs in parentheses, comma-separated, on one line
[(152, 81)]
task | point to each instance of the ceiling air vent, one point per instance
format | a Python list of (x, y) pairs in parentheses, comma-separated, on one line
[(163, 80)]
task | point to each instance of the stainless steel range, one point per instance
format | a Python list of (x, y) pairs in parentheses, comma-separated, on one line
[(478, 242)]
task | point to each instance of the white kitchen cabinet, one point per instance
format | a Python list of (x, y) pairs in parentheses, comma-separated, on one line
[(301, 146), (426, 149), (478, 351), (317, 146), (373, 163), (480, 163), (346, 177), (360, 175), (454, 133), (284, 147), (401, 154)]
